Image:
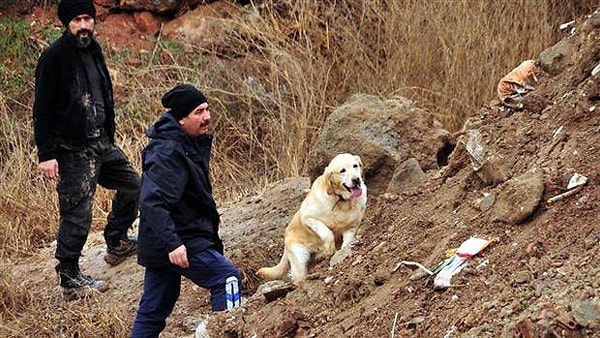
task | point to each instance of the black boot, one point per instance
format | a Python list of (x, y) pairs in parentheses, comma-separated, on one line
[(118, 252), (75, 284)]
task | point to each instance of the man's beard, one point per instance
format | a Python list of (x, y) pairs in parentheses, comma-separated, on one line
[(83, 40)]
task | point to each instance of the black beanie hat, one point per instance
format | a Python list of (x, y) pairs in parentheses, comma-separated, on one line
[(68, 9), (182, 99)]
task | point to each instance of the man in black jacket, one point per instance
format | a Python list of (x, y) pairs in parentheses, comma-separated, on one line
[(74, 127), (179, 221)]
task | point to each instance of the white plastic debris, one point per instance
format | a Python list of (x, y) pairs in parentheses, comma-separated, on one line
[(566, 25), (576, 180), (457, 262), (575, 184), (450, 332), (596, 70), (559, 134), (475, 149), (482, 264), (564, 195)]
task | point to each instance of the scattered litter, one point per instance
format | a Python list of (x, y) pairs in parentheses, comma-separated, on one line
[(450, 332), (563, 195), (413, 263), (566, 25), (576, 183), (394, 325), (559, 134), (486, 201), (596, 70), (454, 264), (482, 264), (517, 83), (576, 180), (475, 149)]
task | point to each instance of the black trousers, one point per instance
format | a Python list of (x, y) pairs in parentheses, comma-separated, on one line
[(80, 171)]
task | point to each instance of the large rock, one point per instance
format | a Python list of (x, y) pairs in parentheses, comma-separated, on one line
[(408, 175), (147, 22), (518, 197), (161, 7), (204, 26), (384, 133), (556, 58)]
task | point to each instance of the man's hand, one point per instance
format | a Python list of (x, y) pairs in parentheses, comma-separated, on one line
[(49, 169), (179, 257)]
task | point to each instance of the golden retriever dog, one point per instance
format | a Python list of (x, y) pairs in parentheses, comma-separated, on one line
[(333, 208)]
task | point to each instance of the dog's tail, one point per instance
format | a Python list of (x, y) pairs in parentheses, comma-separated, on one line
[(276, 272)]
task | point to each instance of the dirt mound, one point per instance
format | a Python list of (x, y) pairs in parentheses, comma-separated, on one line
[(541, 278)]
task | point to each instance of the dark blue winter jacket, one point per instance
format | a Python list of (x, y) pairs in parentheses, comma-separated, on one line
[(176, 202)]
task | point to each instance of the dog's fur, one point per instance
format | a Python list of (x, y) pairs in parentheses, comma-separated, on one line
[(333, 208)]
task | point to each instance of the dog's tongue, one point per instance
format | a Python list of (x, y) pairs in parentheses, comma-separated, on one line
[(356, 191)]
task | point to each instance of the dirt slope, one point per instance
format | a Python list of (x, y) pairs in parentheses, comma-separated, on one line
[(541, 279)]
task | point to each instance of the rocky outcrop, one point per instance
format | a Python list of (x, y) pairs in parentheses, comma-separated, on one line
[(384, 132)]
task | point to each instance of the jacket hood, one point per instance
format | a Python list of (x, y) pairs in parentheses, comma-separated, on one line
[(166, 128)]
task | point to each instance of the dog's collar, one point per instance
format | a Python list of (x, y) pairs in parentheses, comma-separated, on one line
[(340, 198)]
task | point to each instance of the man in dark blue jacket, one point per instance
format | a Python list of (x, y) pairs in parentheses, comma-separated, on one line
[(74, 127), (179, 221)]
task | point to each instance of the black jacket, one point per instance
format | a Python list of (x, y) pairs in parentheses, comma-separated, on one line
[(61, 84), (176, 202)]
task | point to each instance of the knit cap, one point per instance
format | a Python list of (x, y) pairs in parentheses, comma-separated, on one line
[(182, 99), (68, 9)]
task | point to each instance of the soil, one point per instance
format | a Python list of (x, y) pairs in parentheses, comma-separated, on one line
[(534, 281)]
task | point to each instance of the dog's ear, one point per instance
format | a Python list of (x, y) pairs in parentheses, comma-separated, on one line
[(328, 178), (360, 163)]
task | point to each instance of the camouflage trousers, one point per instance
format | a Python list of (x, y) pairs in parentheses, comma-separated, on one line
[(81, 170)]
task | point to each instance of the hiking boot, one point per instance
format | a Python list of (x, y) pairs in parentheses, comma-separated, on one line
[(117, 254), (74, 284)]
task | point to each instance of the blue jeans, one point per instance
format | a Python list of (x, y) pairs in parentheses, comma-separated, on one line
[(208, 269)]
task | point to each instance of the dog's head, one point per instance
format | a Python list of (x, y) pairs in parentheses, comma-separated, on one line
[(344, 176)]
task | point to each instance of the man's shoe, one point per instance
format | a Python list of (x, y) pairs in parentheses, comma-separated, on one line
[(74, 284), (115, 255)]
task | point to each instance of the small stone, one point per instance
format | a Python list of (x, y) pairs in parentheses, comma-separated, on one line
[(522, 277)]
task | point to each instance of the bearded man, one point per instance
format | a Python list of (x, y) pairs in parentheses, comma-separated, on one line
[(74, 128)]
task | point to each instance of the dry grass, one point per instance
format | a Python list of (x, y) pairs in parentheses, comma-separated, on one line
[(271, 85), (29, 310)]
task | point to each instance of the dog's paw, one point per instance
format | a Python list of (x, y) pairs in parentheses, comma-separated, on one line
[(339, 256)]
